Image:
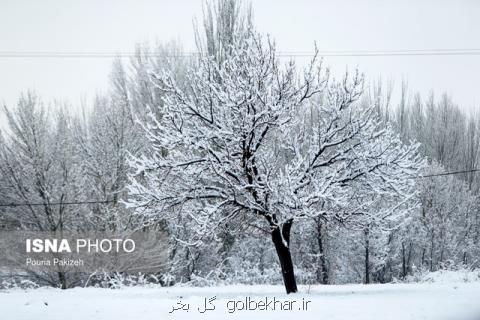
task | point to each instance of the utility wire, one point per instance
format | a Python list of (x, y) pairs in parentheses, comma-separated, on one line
[(55, 203), (111, 201), (446, 173), (292, 54)]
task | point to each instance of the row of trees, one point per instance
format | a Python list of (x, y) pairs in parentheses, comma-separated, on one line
[(248, 166)]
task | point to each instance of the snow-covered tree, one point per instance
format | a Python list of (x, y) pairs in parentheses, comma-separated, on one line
[(223, 23), (40, 169), (238, 150)]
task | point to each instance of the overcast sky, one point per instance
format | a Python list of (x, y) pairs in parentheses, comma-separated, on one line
[(116, 25)]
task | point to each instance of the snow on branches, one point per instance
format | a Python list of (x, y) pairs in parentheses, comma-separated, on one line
[(250, 138)]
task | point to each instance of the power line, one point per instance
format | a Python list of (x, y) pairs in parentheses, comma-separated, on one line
[(111, 201), (447, 173), (55, 203), (292, 54)]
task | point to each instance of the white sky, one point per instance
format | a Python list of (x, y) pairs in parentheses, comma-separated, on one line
[(115, 26)]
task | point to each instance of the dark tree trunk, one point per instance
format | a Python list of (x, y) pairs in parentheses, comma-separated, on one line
[(424, 250), (367, 257), (228, 240), (62, 279), (281, 240), (321, 250), (431, 251), (409, 258)]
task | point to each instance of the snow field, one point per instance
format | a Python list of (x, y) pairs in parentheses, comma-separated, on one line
[(455, 301)]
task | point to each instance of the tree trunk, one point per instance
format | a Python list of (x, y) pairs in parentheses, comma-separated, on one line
[(404, 262), (281, 240), (62, 279), (323, 261), (409, 258), (367, 257), (431, 251)]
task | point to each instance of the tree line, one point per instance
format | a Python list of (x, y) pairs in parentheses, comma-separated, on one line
[(255, 169)]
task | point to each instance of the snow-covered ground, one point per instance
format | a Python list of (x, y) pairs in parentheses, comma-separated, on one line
[(459, 301)]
